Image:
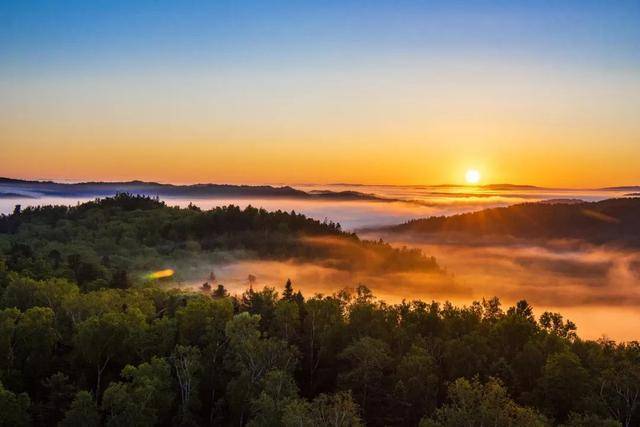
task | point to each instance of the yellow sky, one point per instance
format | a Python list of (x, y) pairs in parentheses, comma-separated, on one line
[(393, 125)]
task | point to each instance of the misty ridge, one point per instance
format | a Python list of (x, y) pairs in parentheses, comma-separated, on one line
[(582, 251), (16, 188), (611, 222), (485, 253), (560, 253), (418, 195)]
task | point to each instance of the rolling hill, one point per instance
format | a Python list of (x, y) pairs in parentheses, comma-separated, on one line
[(608, 221)]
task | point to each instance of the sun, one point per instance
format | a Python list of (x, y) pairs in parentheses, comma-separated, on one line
[(472, 176)]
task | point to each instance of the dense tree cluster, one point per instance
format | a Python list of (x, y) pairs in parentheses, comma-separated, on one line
[(79, 348), (103, 243), (147, 356)]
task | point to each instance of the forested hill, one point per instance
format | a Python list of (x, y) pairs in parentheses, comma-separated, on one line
[(608, 221), (99, 243), (82, 343)]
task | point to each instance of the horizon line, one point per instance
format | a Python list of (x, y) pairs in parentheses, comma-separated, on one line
[(282, 184)]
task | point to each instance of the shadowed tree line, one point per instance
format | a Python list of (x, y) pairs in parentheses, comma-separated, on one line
[(604, 222), (146, 356)]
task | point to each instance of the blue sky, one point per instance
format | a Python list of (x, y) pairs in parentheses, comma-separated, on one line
[(110, 33)]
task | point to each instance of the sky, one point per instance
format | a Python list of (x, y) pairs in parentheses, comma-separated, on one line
[(402, 92)]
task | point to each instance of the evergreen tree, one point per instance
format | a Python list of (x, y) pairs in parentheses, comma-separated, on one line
[(288, 291)]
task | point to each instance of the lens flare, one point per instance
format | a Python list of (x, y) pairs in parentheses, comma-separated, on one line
[(160, 274)]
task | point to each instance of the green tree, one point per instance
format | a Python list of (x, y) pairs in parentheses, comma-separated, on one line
[(143, 398), (263, 303), (22, 293), (589, 420), (36, 337), (288, 294), (202, 323), (203, 319), (332, 410), (474, 404), (527, 368), (323, 331), (416, 383), (367, 360), (8, 321), (101, 340), (287, 320), (250, 357), (14, 408), (160, 338), (60, 392), (510, 333), (220, 292), (563, 385), (187, 365), (278, 390), (555, 324), (620, 384), (83, 412), (467, 356)]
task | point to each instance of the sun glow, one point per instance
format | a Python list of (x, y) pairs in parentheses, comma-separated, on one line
[(472, 176)]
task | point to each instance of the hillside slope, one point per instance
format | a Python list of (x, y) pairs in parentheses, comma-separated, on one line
[(96, 241), (612, 220)]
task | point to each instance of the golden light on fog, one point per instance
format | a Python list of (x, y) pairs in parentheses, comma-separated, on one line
[(472, 176)]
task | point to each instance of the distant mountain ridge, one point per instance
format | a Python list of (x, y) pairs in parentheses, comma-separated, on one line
[(11, 188), (30, 189), (622, 188), (607, 221), (484, 187)]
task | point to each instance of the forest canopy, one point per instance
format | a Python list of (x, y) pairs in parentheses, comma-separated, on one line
[(106, 242), (85, 342)]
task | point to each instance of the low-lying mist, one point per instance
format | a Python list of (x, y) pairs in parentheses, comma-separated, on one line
[(597, 287), (402, 203)]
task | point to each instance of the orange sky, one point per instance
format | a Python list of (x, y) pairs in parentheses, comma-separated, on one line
[(395, 95)]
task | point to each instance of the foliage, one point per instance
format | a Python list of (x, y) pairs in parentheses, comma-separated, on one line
[(474, 404), (144, 397), (606, 221), (78, 347), (13, 408), (83, 412), (110, 242)]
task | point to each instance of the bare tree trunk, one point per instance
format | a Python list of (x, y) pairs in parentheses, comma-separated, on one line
[(99, 379)]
